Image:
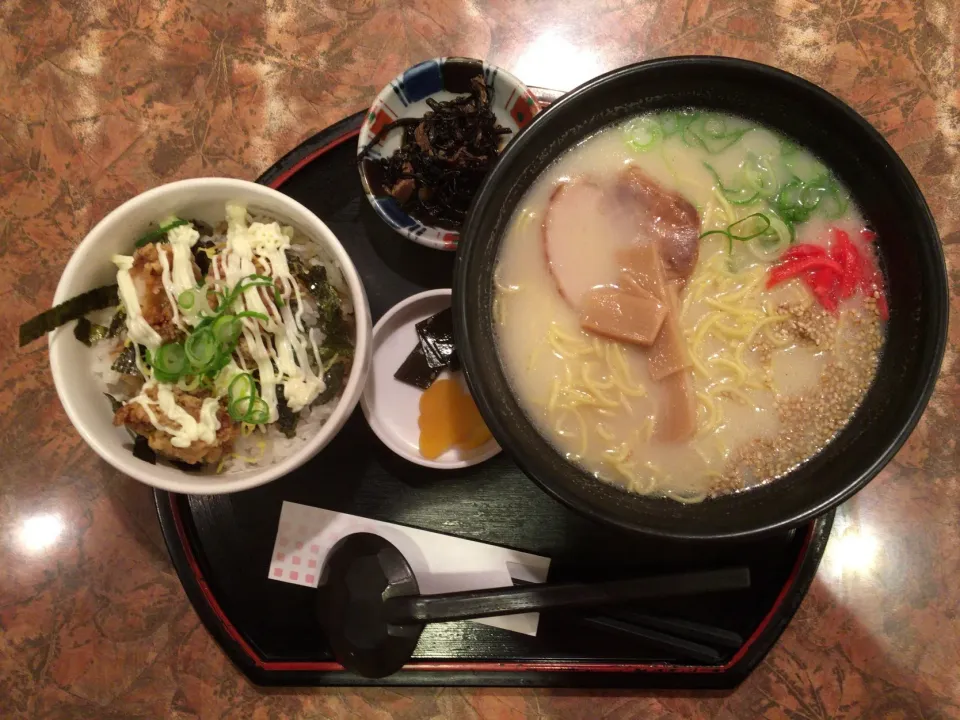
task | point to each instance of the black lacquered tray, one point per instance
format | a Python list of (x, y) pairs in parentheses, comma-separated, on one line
[(221, 545)]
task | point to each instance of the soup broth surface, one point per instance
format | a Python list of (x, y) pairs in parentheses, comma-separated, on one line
[(772, 374)]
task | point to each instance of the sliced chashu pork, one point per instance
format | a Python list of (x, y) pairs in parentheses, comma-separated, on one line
[(587, 223), (668, 216)]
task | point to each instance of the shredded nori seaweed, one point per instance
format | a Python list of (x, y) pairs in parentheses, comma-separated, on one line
[(126, 362), (329, 308), (114, 403), (444, 156), (73, 309), (200, 257), (118, 324), (89, 333), (287, 419), (143, 451), (333, 378)]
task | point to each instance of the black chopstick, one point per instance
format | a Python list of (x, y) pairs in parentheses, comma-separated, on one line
[(673, 634), (680, 628), (683, 648)]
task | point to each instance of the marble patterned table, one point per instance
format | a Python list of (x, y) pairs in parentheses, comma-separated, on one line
[(102, 100)]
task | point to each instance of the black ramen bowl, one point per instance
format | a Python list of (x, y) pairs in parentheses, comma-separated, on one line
[(881, 185)]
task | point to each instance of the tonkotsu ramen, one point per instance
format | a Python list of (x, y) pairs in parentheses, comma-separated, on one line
[(688, 304)]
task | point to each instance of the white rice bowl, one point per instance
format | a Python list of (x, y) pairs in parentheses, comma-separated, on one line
[(82, 375)]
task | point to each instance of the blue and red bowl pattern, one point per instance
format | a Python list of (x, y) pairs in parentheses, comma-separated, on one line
[(405, 96)]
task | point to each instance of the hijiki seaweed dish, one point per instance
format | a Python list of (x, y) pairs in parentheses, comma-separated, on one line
[(444, 156), (224, 344)]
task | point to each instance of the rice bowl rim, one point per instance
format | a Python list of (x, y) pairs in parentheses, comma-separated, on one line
[(72, 282)]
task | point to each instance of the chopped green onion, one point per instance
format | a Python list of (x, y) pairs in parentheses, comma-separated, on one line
[(747, 228), (810, 196), (186, 299), (158, 233), (258, 412), (201, 349), (226, 330), (250, 313), (760, 176), (753, 225), (710, 133), (788, 147), (191, 385), (805, 168), (715, 126), (170, 360), (742, 196), (642, 133), (669, 123), (241, 386), (835, 200), (239, 408)]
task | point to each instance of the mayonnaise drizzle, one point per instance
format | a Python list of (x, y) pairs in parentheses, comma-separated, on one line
[(281, 353), (281, 348), (138, 329), (179, 277), (186, 428)]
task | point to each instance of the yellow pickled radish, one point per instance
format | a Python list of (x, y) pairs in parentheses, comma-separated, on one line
[(449, 418)]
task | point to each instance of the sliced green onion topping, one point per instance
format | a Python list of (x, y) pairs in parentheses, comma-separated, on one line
[(642, 133), (226, 330), (250, 313), (186, 299), (201, 349), (751, 226), (170, 360), (258, 412), (241, 386), (239, 408), (742, 196)]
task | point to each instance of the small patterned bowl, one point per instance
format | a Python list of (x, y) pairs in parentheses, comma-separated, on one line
[(405, 96)]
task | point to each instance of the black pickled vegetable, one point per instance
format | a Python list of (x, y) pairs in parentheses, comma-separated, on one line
[(287, 419), (89, 333), (434, 353), (126, 362), (416, 371), (73, 309), (444, 156), (436, 338)]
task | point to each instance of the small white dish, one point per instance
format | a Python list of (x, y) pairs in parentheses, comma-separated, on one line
[(392, 408)]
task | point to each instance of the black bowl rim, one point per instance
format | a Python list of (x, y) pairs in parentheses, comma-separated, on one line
[(897, 166)]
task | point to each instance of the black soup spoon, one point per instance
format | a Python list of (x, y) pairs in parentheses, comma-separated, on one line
[(370, 606)]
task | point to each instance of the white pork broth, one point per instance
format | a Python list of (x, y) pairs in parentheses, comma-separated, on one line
[(644, 320)]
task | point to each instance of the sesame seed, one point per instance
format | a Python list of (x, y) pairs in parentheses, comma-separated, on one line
[(812, 419)]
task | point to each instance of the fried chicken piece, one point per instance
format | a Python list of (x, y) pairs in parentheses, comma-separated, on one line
[(135, 417), (147, 275)]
